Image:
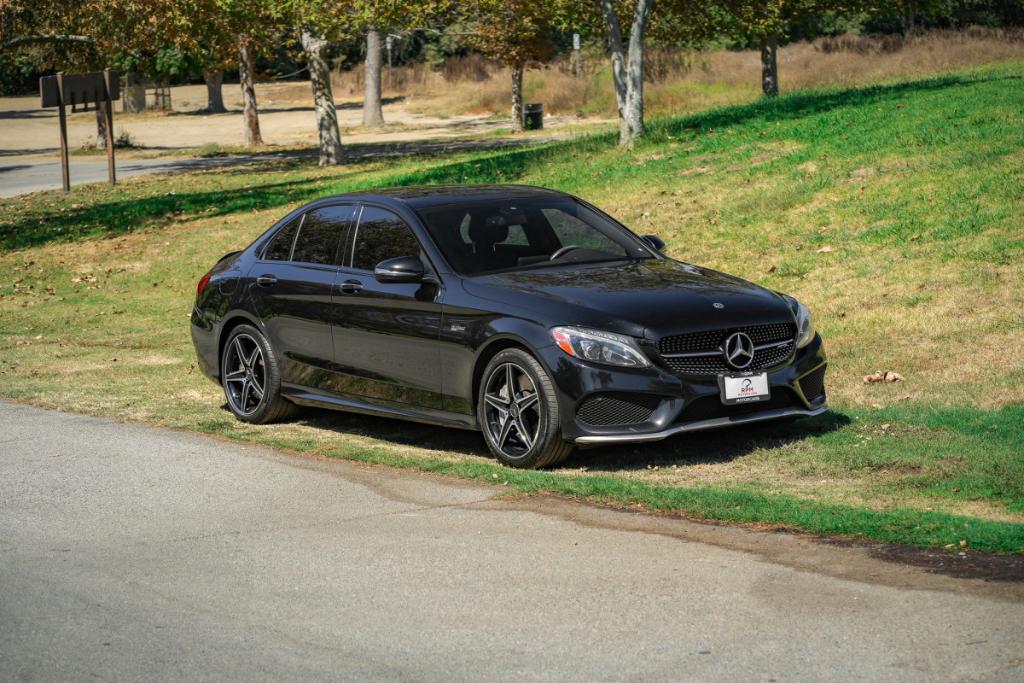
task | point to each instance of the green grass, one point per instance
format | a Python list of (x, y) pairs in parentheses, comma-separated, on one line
[(894, 211)]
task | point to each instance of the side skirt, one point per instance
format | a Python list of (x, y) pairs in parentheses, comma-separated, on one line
[(304, 396)]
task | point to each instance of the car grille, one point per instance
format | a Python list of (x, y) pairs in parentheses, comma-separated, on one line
[(700, 353), (602, 410)]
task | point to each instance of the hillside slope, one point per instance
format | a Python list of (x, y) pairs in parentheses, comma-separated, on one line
[(896, 213)]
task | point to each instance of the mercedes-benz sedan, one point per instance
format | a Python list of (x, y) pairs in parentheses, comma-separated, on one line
[(525, 313)]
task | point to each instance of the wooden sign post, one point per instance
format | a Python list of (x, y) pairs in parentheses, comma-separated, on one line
[(101, 88)]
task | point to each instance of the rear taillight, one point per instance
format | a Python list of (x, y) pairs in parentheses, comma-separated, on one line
[(205, 280)]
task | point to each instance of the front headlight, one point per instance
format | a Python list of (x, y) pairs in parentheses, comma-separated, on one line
[(804, 324), (599, 347)]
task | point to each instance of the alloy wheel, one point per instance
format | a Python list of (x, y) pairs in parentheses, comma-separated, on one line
[(512, 410), (245, 377)]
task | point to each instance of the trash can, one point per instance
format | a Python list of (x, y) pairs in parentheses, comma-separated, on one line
[(533, 116)]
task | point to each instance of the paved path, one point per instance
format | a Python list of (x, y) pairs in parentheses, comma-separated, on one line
[(133, 553), (23, 174)]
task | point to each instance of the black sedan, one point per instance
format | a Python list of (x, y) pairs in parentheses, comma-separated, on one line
[(522, 312)]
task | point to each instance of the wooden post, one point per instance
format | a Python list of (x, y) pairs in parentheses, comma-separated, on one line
[(108, 115), (64, 174)]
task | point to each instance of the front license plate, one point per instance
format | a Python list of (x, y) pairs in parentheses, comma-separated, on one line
[(744, 388)]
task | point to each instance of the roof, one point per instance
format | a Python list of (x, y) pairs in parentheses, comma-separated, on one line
[(422, 196)]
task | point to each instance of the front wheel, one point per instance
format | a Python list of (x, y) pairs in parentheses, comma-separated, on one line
[(518, 412), (252, 378)]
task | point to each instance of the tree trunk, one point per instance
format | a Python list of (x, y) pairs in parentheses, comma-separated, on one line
[(770, 65), (214, 96), (246, 67), (323, 97), (372, 114), (517, 98), (101, 128), (628, 67)]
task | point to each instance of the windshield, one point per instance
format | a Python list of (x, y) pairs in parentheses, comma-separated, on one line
[(516, 234)]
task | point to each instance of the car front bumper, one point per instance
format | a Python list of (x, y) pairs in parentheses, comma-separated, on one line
[(659, 403)]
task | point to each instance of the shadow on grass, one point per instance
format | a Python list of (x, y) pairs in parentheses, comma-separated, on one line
[(686, 450), (120, 216), (710, 447)]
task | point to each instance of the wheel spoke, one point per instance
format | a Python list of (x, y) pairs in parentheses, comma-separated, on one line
[(257, 390), (240, 352), (524, 434), (245, 395), (236, 376), (510, 382), (251, 361), (526, 401), (496, 402), (506, 428)]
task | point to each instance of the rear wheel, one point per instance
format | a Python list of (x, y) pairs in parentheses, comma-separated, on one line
[(251, 378), (518, 412)]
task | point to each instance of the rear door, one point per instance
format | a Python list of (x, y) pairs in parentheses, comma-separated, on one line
[(293, 292), (386, 334)]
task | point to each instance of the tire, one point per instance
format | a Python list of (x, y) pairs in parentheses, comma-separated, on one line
[(252, 386), (504, 426)]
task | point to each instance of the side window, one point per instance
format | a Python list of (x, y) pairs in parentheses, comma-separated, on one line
[(320, 233), (381, 235), (280, 247)]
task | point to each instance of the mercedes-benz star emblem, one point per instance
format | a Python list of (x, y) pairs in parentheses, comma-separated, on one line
[(718, 305), (738, 350)]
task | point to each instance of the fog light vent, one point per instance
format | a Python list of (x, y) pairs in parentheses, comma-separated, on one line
[(602, 410)]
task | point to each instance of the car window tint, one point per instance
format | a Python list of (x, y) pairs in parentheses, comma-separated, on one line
[(570, 230), (280, 247), (318, 238), (498, 235), (381, 235)]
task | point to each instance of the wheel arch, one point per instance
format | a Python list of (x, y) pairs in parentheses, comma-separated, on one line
[(230, 322), (491, 349)]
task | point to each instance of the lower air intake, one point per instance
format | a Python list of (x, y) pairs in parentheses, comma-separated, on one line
[(603, 410)]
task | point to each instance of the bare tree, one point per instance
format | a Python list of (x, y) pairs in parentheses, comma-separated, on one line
[(246, 78), (770, 65), (373, 114), (323, 98), (628, 67), (214, 79)]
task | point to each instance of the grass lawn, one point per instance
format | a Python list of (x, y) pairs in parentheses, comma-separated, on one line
[(895, 212)]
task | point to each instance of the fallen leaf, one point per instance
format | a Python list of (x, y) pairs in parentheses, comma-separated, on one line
[(883, 376), (824, 250)]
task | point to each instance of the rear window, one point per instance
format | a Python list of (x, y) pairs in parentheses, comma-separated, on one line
[(280, 247), (320, 234)]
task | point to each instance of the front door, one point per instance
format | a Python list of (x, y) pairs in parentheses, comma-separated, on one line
[(385, 334), (292, 289)]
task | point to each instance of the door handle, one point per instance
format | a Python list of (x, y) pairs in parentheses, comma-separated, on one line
[(266, 280), (351, 287)]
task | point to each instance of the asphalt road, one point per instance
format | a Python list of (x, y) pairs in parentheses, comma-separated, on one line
[(21, 175), (128, 552)]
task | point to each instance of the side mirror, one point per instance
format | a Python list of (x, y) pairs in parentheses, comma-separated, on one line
[(400, 269), (654, 242)]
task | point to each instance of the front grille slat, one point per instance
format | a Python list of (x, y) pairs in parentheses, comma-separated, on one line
[(608, 409), (711, 341)]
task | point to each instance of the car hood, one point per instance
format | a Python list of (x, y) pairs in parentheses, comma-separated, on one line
[(651, 298)]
